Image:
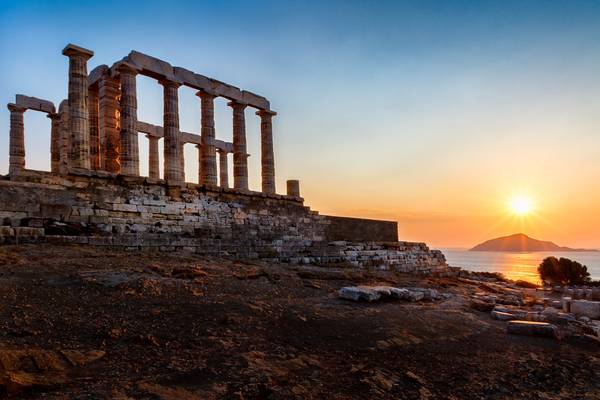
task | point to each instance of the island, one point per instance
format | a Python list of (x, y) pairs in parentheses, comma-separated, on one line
[(521, 243)]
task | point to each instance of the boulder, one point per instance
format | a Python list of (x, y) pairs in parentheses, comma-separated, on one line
[(566, 304), (532, 328)]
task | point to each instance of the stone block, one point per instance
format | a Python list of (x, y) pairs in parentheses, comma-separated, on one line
[(502, 316), (531, 328), (587, 308), (33, 103), (358, 293)]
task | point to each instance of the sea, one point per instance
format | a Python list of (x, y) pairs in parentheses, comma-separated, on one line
[(517, 265)]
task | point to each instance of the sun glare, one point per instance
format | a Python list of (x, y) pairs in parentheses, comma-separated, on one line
[(521, 205)]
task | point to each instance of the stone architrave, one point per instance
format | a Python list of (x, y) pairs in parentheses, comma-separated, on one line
[(95, 149), (223, 170), (55, 142), (267, 157), (17, 140), (78, 105), (240, 153), (172, 145), (208, 163), (153, 167), (129, 157), (109, 116)]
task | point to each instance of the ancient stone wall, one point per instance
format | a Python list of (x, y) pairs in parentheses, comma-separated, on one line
[(137, 213)]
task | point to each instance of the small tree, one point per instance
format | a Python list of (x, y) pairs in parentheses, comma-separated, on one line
[(563, 271)]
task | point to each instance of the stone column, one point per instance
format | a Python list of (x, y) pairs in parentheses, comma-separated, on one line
[(223, 170), (109, 115), (94, 127), (172, 144), (267, 158), (199, 147), (240, 153), (78, 106), (182, 159), (17, 140), (130, 159), (293, 188), (64, 138), (55, 143), (153, 167), (208, 163)]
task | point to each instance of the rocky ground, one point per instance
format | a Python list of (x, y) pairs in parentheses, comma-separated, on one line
[(82, 323)]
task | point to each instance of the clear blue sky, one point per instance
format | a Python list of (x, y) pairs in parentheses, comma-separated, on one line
[(427, 112)]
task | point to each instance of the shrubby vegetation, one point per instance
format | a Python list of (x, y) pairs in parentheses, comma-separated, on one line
[(563, 271)]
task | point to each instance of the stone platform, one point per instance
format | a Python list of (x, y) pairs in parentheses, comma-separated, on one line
[(138, 213)]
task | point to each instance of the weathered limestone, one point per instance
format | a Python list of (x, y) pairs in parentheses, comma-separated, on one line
[(64, 137), (78, 106), (109, 115), (293, 188), (586, 308), (95, 149), (33, 103), (208, 163), (129, 137), (153, 167), (17, 140), (240, 153), (55, 142), (173, 156), (223, 170), (532, 328), (267, 157)]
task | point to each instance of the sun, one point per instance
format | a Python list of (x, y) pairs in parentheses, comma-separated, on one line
[(521, 205)]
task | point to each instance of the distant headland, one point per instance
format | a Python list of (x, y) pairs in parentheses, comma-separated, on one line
[(521, 242)]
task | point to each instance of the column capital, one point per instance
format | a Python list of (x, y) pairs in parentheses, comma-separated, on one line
[(265, 113), (169, 83), (205, 94), (53, 116), (16, 108), (72, 50), (237, 105)]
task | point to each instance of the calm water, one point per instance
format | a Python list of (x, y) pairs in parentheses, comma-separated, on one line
[(517, 265)]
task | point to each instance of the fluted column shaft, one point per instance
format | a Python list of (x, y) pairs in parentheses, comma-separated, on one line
[(267, 157), (240, 153), (78, 106), (109, 115), (94, 128), (172, 144), (17, 140), (64, 138), (199, 147), (153, 167), (130, 159), (223, 170), (55, 143), (208, 163)]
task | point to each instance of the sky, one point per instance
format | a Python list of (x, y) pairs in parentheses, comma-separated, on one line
[(430, 113)]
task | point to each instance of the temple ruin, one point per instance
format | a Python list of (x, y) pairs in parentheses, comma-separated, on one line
[(94, 194)]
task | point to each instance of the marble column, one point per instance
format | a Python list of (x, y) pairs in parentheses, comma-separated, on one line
[(78, 105), (64, 138), (240, 153), (129, 157), (172, 141), (153, 166), (182, 159), (17, 140), (109, 115), (223, 170), (55, 143), (208, 163), (94, 127), (199, 147), (267, 158), (293, 188)]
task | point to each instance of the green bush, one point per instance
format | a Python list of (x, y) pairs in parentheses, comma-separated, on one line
[(563, 271)]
